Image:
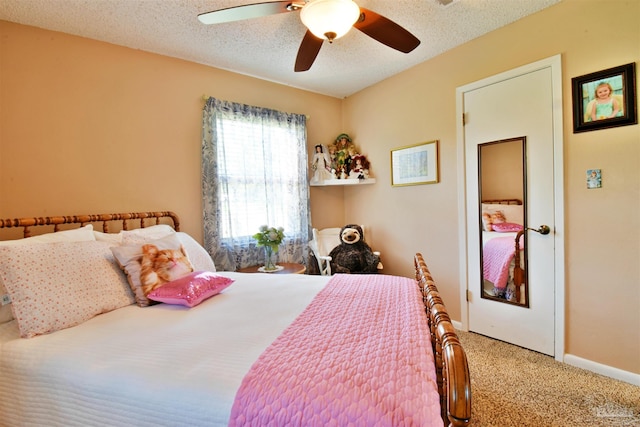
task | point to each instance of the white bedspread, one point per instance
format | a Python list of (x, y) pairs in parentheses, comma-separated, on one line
[(127, 352)]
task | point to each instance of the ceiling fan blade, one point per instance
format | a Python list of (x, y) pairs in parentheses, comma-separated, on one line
[(307, 52), (386, 31), (248, 11)]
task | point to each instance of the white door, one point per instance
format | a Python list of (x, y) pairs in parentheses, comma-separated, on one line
[(520, 103)]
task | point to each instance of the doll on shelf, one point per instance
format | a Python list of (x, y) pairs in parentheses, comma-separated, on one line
[(344, 147), (343, 142), (332, 155), (321, 165), (359, 167)]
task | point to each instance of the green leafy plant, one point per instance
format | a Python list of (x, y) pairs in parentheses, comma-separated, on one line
[(269, 237)]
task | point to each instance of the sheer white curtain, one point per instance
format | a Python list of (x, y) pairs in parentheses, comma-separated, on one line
[(254, 172)]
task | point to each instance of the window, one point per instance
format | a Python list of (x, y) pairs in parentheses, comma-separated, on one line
[(254, 173), (257, 174)]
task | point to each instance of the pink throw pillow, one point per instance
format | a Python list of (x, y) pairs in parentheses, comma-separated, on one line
[(506, 227), (192, 289)]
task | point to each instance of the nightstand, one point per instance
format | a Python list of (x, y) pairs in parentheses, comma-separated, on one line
[(289, 268)]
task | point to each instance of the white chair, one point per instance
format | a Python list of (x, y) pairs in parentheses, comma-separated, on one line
[(323, 242)]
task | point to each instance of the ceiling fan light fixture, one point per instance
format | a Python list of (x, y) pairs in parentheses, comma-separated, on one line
[(329, 19)]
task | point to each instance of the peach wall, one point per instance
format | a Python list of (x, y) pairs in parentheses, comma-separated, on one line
[(501, 171), (91, 127), (602, 226)]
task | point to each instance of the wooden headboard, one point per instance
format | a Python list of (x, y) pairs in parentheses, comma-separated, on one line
[(503, 202), (146, 218)]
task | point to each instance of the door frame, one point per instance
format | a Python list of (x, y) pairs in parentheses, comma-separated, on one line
[(555, 64)]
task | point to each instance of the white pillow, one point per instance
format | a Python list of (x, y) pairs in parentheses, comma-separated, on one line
[(199, 257), (154, 232), (58, 285), (512, 213), (81, 234), (114, 238), (151, 232)]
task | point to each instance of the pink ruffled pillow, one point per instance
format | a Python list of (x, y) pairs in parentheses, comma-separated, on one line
[(192, 289), (506, 227)]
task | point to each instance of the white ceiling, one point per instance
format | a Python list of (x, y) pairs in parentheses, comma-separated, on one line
[(266, 47)]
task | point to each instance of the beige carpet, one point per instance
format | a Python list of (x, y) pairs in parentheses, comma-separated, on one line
[(512, 386)]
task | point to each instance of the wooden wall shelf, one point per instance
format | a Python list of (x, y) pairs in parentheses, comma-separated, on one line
[(329, 182)]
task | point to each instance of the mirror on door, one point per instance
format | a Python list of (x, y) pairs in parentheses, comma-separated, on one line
[(502, 206)]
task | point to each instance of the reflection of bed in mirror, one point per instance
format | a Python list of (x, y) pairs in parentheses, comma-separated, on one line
[(503, 250)]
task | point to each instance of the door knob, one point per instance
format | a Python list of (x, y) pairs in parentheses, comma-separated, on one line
[(543, 229)]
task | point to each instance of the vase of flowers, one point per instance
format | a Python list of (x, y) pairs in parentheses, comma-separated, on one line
[(270, 238)]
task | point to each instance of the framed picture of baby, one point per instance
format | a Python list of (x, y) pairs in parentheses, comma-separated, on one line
[(605, 99)]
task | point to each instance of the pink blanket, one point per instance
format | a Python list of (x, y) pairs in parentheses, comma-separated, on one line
[(359, 355), (497, 255)]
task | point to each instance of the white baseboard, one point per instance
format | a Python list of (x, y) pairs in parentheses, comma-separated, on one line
[(598, 368), (589, 365)]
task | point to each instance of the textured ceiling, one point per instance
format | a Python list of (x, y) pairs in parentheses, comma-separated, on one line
[(266, 47)]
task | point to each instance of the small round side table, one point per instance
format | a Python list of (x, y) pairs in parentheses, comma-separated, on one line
[(289, 268)]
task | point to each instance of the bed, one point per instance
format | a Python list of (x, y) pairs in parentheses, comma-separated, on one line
[(81, 349), (503, 260)]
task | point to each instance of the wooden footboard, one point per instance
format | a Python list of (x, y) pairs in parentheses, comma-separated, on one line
[(454, 384), (105, 219)]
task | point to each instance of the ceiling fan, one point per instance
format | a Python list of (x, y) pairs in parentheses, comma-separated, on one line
[(325, 20)]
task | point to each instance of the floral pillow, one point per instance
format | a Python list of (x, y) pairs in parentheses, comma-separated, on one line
[(81, 234), (191, 290), (54, 286)]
